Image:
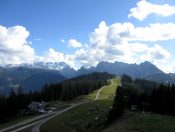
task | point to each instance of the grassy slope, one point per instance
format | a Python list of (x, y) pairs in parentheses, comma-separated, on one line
[(108, 92), (90, 96), (138, 122), (82, 118)]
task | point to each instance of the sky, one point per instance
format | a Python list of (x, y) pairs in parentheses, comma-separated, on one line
[(86, 32)]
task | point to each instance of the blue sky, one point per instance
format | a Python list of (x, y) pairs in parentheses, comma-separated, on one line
[(53, 20), (64, 30)]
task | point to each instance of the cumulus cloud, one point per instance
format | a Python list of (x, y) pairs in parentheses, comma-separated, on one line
[(120, 42), (145, 8), (156, 53), (117, 42), (52, 55), (154, 32), (98, 37), (121, 32), (13, 46), (159, 53), (73, 43)]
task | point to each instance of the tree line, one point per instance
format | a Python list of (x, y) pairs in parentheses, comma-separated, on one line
[(17, 100), (145, 95), (75, 87)]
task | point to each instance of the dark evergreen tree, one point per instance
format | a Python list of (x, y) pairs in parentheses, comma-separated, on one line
[(118, 107)]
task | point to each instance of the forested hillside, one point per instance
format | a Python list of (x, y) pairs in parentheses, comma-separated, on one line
[(66, 90), (143, 95)]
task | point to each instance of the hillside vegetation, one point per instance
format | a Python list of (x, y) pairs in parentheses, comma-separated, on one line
[(139, 122), (105, 92), (153, 104), (89, 117), (68, 90)]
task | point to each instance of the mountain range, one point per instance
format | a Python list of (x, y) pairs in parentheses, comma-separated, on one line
[(34, 76), (29, 79), (145, 70)]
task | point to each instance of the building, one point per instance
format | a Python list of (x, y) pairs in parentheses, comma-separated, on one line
[(36, 107)]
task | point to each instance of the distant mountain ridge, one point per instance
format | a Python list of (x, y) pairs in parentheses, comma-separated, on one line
[(29, 78), (145, 70), (34, 76), (135, 70), (62, 67)]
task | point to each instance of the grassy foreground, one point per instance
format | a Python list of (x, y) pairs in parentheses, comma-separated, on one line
[(88, 117), (139, 122)]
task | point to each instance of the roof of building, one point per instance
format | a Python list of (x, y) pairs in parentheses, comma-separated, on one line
[(37, 104)]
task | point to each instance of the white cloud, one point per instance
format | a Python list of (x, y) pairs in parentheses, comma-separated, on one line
[(55, 56), (62, 41), (121, 32), (120, 42), (159, 53), (83, 57), (13, 46), (145, 8), (117, 42), (156, 54), (72, 43), (154, 32), (98, 37)]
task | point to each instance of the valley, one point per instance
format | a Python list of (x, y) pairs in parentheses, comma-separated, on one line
[(92, 112), (31, 77), (87, 66), (86, 116), (78, 109)]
